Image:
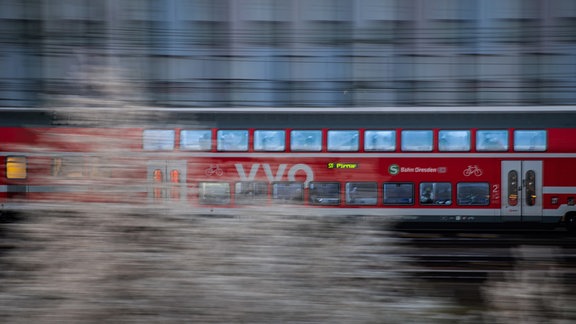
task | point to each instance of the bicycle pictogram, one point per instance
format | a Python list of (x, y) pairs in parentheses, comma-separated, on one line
[(473, 170), (214, 169)]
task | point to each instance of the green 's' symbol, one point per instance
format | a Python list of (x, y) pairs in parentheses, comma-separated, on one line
[(394, 169)]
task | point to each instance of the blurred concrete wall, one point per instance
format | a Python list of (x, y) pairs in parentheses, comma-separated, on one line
[(204, 53)]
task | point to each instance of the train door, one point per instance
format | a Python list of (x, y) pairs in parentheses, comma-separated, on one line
[(167, 180), (522, 191)]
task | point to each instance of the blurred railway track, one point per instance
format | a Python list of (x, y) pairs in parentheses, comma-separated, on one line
[(465, 256)]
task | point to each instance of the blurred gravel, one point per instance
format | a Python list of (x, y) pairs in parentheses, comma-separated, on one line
[(137, 266)]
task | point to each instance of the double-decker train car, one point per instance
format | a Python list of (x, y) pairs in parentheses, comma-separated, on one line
[(442, 165)]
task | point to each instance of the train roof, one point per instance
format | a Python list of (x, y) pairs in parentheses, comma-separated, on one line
[(305, 117)]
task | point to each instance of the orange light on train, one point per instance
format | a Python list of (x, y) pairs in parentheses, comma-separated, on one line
[(513, 200), (157, 175), (16, 167), (175, 179), (175, 176)]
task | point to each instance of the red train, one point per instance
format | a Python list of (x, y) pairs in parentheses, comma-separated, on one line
[(452, 167)]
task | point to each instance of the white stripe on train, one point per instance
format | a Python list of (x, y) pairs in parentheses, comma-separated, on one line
[(74, 188)]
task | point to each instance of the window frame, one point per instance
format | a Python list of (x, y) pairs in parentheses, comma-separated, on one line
[(255, 199), (256, 143), (204, 201), (349, 199), (21, 163), (354, 147), (391, 131), (425, 147), (317, 147), (311, 194), (518, 148), (384, 185), (458, 193), (434, 201), (290, 201), (505, 146), (158, 142), (184, 147), (220, 143), (446, 148)]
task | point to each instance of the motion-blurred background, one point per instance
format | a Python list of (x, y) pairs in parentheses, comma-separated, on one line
[(269, 53)]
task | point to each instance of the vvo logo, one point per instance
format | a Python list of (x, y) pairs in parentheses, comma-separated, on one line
[(278, 175)]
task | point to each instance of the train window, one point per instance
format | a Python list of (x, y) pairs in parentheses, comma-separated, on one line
[(69, 167), (158, 140), (80, 167), (232, 140), (196, 140), (251, 192), (436, 193), (98, 167), (288, 192), (492, 140), (379, 140), (454, 140), (306, 140), (16, 167), (343, 140), (530, 188), (216, 193), (513, 188), (473, 193), (398, 193), (158, 188), (324, 193), (269, 140), (361, 193), (530, 140), (417, 140)]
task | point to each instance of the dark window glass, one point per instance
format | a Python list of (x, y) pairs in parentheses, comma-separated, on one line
[(324, 193), (530, 188), (513, 188), (398, 193), (436, 193), (361, 193), (288, 192), (217, 193), (473, 193), (251, 192)]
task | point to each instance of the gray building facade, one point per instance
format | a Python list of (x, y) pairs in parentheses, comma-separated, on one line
[(294, 53)]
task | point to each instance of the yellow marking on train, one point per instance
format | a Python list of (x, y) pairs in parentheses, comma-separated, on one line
[(341, 165)]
